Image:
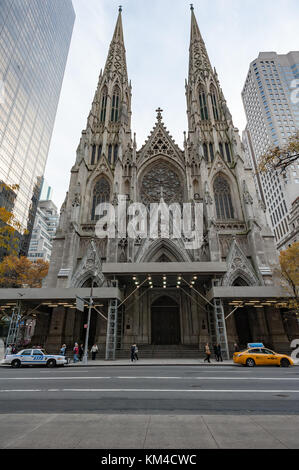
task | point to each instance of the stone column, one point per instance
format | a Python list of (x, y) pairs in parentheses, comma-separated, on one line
[(54, 340)]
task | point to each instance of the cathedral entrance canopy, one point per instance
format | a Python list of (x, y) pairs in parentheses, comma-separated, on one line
[(198, 268), (254, 296), (56, 296)]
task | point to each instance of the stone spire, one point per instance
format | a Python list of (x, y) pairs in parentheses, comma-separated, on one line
[(199, 62), (116, 61)]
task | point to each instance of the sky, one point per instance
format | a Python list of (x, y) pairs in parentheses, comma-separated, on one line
[(157, 35)]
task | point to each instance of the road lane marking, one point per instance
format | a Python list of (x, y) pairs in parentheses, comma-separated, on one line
[(148, 378), (146, 390)]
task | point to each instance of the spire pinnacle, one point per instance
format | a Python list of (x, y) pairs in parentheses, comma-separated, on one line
[(198, 58), (191, 7), (120, 8), (159, 114)]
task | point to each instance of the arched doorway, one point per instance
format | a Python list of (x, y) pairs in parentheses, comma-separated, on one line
[(242, 322), (165, 321)]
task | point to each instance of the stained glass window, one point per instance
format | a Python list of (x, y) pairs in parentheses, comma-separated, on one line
[(223, 200), (101, 193), (161, 181)]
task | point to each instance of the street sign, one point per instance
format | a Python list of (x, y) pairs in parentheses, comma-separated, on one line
[(80, 304)]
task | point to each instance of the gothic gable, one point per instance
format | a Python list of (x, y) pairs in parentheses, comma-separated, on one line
[(86, 269), (160, 142), (238, 266)]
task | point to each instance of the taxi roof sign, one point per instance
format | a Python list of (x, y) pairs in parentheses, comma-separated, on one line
[(255, 345)]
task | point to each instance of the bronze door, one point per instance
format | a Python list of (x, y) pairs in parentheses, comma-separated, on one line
[(165, 321)]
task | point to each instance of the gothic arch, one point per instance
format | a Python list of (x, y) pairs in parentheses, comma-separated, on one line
[(158, 248), (82, 279)]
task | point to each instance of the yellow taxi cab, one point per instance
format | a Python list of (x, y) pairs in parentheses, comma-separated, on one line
[(258, 355)]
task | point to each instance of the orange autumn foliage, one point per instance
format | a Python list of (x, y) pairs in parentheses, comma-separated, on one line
[(21, 272)]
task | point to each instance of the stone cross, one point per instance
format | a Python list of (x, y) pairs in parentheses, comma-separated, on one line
[(159, 115)]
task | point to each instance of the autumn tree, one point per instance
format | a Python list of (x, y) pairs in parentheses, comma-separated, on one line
[(10, 229), (289, 270), (21, 272), (280, 158)]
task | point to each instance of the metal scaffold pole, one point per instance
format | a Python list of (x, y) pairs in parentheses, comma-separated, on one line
[(14, 326)]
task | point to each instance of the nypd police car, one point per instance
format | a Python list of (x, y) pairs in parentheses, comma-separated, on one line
[(31, 357)]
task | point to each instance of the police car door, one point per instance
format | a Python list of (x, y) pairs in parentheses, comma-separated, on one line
[(26, 356), (38, 357)]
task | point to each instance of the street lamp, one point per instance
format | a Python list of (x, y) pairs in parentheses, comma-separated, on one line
[(85, 355)]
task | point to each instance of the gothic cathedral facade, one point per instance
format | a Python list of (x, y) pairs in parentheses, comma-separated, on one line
[(211, 169)]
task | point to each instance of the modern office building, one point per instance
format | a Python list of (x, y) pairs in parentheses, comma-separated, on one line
[(45, 225), (271, 104), (34, 43)]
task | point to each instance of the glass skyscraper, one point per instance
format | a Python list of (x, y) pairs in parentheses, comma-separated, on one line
[(270, 98), (35, 38)]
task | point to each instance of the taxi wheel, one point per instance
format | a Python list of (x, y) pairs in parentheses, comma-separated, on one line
[(51, 363), (16, 363), (250, 362), (285, 363)]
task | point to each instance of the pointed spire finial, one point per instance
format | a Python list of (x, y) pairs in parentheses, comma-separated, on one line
[(159, 115), (191, 7), (120, 8)]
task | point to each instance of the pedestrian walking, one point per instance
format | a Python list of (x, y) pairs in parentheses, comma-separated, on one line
[(135, 352), (76, 352), (13, 349), (216, 352), (81, 352), (219, 353), (63, 350), (236, 348), (94, 351), (9, 349), (208, 353), (132, 350)]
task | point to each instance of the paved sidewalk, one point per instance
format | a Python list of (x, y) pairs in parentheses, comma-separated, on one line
[(148, 431), (153, 362)]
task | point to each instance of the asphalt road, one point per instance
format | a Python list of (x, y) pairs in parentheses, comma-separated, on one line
[(153, 407), (184, 390)]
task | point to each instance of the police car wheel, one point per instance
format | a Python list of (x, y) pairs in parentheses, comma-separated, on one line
[(51, 363), (250, 362), (284, 363), (16, 363)]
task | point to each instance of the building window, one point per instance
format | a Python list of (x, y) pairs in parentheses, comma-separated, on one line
[(104, 105), (228, 153), (93, 154), (115, 152), (109, 153), (203, 106), (214, 104), (205, 152), (101, 193), (115, 105), (221, 150), (223, 200), (211, 152)]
